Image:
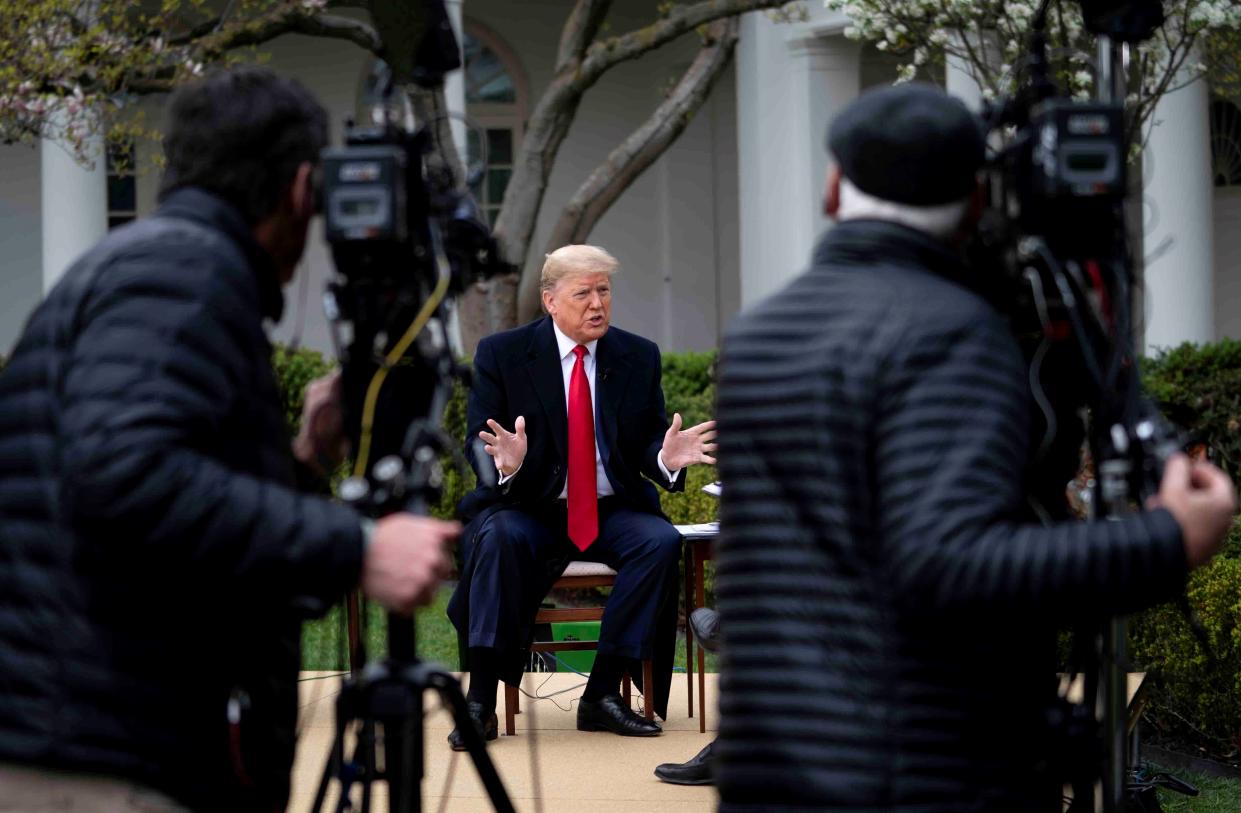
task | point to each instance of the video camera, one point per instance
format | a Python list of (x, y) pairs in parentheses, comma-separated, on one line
[(1059, 189), (1057, 227), (406, 237), (405, 241)]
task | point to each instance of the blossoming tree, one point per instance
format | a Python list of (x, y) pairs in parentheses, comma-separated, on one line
[(988, 39)]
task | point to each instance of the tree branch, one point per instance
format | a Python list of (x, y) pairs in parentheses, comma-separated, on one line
[(554, 112), (580, 30), (607, 53), (643, 146), (290, 19)]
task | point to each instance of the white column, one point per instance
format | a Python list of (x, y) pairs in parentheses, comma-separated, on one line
[(1178, 296), (75, 205), (454, 82), (787, 93)]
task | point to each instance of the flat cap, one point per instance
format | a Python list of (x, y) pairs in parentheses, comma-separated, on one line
[(911, 143)]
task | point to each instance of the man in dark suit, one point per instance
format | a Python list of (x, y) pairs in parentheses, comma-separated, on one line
[(572, 415)]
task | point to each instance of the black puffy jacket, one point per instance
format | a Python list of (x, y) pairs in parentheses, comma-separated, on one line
[(888, 617), (155, 560)]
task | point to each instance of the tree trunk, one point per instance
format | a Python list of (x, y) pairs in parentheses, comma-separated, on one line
[(637, 152), (553, 114)]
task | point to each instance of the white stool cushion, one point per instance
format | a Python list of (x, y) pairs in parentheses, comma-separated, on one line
[(587, 569)]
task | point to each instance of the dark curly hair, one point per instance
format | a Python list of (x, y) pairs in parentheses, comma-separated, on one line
[(241, 133)]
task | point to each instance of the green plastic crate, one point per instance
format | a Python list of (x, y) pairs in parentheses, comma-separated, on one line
[(581, 661)]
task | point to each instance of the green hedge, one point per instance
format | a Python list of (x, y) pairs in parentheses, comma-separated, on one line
[(294, 370), (1198, 698)]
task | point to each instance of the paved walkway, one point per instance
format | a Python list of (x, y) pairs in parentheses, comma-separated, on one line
[(593, 772)]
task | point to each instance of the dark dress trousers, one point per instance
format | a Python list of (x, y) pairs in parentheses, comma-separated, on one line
[(515, 543)]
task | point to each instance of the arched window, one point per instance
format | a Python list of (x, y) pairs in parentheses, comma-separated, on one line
[(1225, 143), (496, 94)]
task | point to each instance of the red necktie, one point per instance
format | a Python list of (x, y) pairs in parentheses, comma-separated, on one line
[(583, 490)]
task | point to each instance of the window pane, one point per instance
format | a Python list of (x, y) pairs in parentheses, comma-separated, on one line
[(500, 146), (122, 193), (471, 145), (491, 212), (497, 182), (486, 79), (1226, 143)]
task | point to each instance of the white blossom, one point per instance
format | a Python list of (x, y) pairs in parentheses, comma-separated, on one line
[(992, 36)]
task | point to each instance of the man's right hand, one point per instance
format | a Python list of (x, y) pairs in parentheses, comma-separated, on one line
[(406, 560), (507, 448), (1202, 500)]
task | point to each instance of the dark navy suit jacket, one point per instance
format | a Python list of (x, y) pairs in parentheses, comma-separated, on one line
[(518, 372)]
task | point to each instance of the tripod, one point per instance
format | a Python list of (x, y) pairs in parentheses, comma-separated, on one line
[(385, 701), (388, 697)]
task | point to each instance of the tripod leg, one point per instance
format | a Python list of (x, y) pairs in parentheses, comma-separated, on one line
[(334, 763), (403, 766), (366, 742), (450, 691)]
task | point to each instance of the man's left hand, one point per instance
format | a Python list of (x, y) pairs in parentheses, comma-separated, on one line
[(685, 447), (321, 443)]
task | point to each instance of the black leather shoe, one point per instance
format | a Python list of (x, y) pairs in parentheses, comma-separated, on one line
[(489, 730), (706, 625), (609, 713), (695, 772)]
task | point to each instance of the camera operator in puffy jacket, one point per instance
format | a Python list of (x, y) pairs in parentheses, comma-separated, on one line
[(889, 608), (156, 559)]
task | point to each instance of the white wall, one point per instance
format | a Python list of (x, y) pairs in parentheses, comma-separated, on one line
[(1228, 262), (332, 70), (21, 240)]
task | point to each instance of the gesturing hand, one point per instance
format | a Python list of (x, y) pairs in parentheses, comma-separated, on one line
[(508, 448), (686, 447)]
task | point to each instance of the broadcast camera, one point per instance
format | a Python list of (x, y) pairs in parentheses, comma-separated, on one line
[(1059, 185), (406, 237), (405, 242)]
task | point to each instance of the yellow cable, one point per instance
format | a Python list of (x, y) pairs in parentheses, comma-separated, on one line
[(394, 355)]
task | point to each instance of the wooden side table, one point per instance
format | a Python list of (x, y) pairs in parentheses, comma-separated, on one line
[(699, 547)]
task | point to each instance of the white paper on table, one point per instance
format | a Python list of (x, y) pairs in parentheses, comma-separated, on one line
[(699, 529)]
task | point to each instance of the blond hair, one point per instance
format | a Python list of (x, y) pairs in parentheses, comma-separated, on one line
[(568, 261)]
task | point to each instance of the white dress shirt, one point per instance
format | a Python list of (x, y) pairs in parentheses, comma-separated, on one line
[(567, 360)]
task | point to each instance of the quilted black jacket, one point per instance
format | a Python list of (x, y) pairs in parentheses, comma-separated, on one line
[(155, 560), (888, 617)]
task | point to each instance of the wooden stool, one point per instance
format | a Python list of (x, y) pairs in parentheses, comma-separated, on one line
[(577, 575)]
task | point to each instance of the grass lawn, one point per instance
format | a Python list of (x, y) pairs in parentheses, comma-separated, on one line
[(1216, 795), (323, 641)]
